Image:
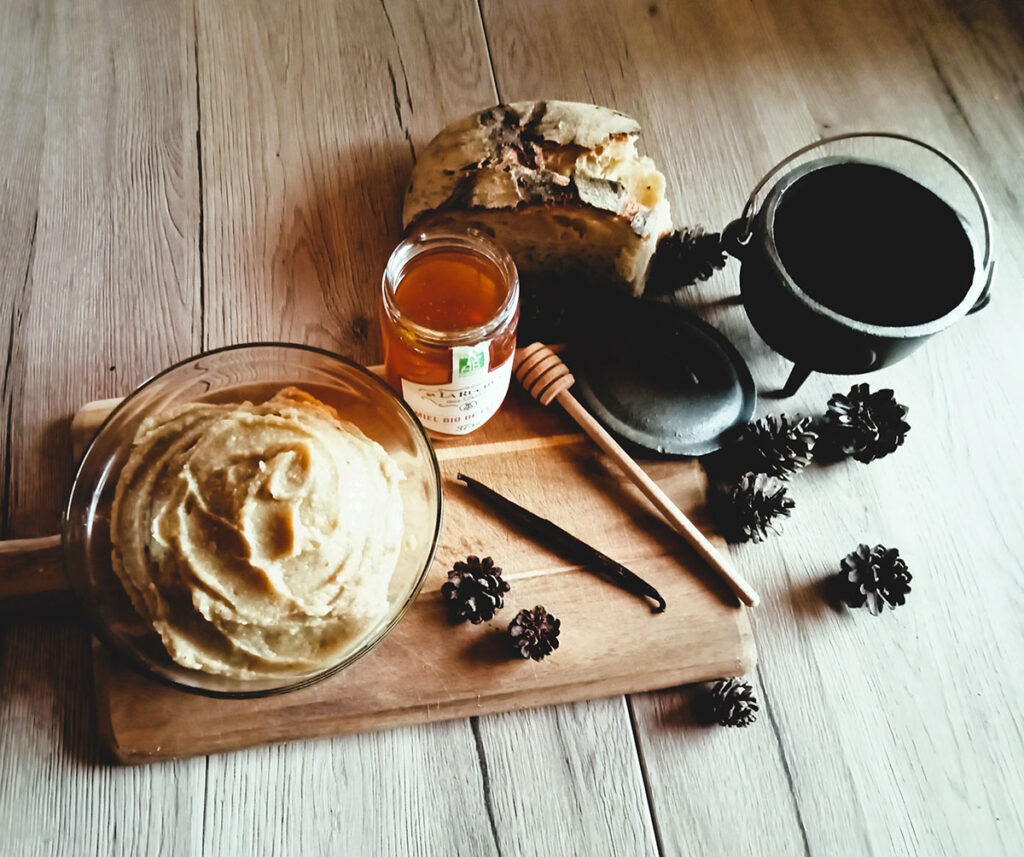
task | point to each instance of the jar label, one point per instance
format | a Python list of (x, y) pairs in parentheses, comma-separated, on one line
[(470, 400)]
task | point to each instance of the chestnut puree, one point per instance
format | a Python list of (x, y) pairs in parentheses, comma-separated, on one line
[(257, 539)]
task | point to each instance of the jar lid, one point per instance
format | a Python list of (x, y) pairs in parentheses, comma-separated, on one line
[(662, 379)]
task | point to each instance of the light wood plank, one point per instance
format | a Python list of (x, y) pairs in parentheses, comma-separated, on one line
[(871, 738), (900, 735), (311, 114), (426, 670), (928, 757), (528, 758), (58, 793), (111, 292), (24, 36), (666, 69), (415, 791)]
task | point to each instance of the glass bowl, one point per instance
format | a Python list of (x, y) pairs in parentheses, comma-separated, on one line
[(236, 374)]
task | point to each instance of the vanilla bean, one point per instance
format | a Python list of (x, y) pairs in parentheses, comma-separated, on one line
[(565, 543)]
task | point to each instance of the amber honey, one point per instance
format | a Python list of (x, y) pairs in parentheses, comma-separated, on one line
[(449, 314), (451, 291)]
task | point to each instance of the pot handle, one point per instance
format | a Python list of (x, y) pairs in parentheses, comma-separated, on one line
[(740, 234), (736, 238)]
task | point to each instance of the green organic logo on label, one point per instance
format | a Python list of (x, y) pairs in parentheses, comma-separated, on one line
[(471, 363)]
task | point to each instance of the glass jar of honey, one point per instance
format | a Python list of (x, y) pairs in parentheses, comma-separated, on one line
[(449, 316)]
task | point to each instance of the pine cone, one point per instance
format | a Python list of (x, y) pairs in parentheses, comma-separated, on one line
[(747, 510), (874, 576), (863, 424), (776, 448), (683, 258), (474, 590), (730, 702), (534, 633)]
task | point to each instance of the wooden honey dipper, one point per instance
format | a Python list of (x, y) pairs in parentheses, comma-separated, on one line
[(548, 379)]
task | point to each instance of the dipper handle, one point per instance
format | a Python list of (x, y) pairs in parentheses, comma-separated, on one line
[(545, 377)]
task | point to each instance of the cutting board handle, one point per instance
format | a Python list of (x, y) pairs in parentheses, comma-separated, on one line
[(31, 573)]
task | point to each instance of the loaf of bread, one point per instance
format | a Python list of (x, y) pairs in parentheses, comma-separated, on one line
[(560, 184)]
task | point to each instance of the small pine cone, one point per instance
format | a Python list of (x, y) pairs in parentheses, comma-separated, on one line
[(875, 576), (683, 258), (748, 510), (730, 702), (474, 590), (534, 633), (863, 424), (775, 448)]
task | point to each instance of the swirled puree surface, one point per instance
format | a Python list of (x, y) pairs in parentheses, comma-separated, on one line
[(257, 539)]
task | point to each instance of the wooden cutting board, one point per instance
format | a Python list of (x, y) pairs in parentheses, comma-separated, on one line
[(430, 670)]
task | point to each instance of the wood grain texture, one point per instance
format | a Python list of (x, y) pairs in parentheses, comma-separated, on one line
[(871, 737), (109, 290), (380, 793), (426, 670), (309, 128), (310, 114), (24, 39), (306, 113), (900, 735), (607, 811), (542, 373), (32, 576), (113, 290)]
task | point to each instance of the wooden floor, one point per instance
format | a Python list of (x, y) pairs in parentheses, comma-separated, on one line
[(180, 175)]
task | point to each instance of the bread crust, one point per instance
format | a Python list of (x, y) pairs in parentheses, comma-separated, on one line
[(540, 159)]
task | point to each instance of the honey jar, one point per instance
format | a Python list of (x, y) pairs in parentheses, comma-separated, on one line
[(449, 315)]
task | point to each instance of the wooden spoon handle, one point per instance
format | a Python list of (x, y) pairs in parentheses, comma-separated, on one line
[(680, 523), (548, 379)]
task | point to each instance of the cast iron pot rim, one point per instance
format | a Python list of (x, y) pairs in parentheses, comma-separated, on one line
[(766, 216)]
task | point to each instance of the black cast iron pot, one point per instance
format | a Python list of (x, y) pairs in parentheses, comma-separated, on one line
[(850, 264)]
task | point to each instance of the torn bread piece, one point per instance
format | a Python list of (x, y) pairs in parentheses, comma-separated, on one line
[(560, 184)]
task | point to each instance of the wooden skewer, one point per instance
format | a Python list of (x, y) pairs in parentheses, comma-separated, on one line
[(548, 379)]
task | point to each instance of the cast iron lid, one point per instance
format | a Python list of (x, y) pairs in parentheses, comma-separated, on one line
[(658, 377)]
